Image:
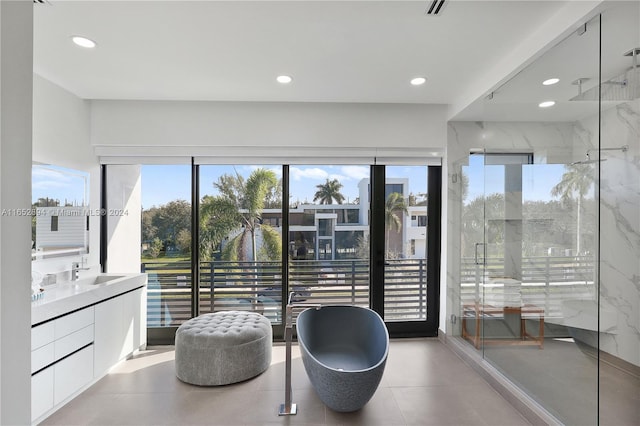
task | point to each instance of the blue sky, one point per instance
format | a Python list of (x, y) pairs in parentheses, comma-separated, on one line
[(537, 179), (161, 184), (59, 183)]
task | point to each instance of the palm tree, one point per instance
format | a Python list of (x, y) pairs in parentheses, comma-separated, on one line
[(328, 192), (238, 209), (394, 204), (219, 217), (576, 182)]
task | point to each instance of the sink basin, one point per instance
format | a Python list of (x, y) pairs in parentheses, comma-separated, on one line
[(99, 279), (68, 296)]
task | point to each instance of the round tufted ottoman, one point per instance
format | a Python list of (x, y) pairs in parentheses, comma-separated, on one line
[(222, 348)]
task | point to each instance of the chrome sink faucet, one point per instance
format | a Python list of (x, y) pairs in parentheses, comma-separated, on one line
[(288, 408), (76, 267)]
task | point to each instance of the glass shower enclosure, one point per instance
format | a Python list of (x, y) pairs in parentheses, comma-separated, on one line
[(545, 192)]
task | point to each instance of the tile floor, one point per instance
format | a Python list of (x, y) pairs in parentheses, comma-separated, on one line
[(424, 383)]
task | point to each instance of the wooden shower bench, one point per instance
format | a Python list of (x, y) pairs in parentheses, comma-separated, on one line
[(477, 312)]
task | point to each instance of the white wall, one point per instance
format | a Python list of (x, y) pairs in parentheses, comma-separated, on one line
[(124, 204), (61, 136), (16, 64), (123, 128), (61, 127)]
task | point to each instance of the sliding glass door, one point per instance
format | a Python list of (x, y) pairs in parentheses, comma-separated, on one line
[(405, 247), (166, 239), (359, 235), (240, 239), (349, 234), (328, 234)]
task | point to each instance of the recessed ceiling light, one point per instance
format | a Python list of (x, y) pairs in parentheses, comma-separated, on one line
[(83, 42), (546, 104), (284, 79), (418, 81), (550, 81)]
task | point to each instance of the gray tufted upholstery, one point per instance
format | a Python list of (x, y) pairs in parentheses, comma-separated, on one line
[(223, 348)]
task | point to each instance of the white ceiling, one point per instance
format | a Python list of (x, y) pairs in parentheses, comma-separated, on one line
[(575, 57), (336, 51)]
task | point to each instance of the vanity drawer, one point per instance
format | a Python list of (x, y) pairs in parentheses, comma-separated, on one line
[(42, 335), (72, 342), (73, 322), (41, 357)]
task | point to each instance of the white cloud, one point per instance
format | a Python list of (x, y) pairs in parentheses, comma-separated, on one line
[(355, 172), (39, 173), (309, 173), (337, 177)]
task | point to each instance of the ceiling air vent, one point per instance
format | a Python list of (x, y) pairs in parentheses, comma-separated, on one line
[(435, 8)]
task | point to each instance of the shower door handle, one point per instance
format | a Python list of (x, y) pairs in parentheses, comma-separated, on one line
[(478, 262)]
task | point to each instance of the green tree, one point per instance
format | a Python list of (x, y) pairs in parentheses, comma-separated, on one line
[(575, 183), (394, 204), (183, 241), (476, 220), (155, 247), (149, 231), (328, 192), (219, 217), (171, 218), (236, 214)]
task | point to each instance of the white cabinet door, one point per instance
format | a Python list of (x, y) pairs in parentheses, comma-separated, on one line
[(41, 393), (134, 325), (120, 329), (109, 339), (72, 373)]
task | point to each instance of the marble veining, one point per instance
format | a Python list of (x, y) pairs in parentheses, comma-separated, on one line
[(619, 239)]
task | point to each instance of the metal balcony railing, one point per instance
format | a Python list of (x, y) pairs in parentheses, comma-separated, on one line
[(546, 281), (257, 286)]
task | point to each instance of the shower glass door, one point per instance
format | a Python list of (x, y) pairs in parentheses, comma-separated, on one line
[(529, 278)]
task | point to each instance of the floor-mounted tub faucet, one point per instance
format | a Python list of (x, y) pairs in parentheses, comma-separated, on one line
[(289, 408)]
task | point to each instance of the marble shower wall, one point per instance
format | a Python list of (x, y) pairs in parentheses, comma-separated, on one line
[(619, 228)]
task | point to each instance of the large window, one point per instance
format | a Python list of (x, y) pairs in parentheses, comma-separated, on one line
[(240, 239), (219, 237), (166, 243)]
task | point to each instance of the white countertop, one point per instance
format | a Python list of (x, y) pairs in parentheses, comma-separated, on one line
[(59, 299)]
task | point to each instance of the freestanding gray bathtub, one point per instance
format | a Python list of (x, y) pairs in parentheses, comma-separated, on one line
[(344, 351)]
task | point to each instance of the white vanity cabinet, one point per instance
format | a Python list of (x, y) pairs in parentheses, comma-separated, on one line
[(70, 351), (61, 359), (119, 330)]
